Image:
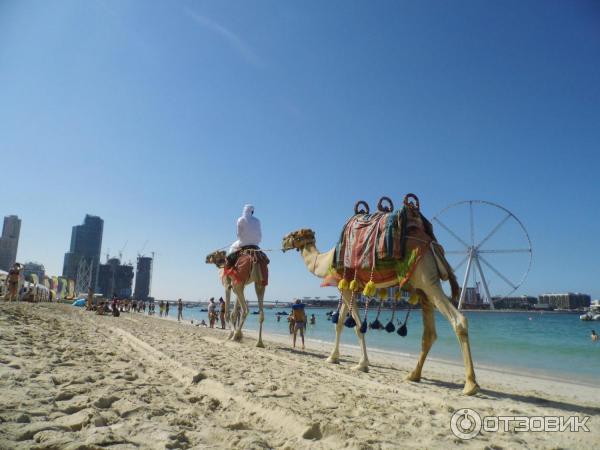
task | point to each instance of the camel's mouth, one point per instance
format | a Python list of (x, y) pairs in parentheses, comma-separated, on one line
[(286, 244)]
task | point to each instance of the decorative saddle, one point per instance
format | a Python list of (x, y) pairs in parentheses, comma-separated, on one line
[(378, 240)]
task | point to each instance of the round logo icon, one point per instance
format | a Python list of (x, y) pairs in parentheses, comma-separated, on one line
[(465, 423)]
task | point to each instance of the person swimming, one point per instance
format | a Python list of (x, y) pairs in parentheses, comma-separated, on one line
[(594, 336)]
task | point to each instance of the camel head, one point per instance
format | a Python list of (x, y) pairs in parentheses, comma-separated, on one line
[(298, 239), (218, 258)]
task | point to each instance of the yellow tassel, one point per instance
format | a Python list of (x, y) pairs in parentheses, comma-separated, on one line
[(353, 285), (383, 294), (343, 285), (369, 290), (414, 298)]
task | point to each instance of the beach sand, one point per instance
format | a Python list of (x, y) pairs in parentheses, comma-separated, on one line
[(70, 379)]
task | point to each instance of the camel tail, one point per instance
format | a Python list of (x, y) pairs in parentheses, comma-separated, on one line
[(447, 273), (454, 286)]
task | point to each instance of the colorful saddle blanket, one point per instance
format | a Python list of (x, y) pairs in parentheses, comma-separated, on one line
[(379, 242), (367, 239), (241, 270)]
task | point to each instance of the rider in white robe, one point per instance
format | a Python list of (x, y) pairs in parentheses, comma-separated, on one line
[(248, 230)]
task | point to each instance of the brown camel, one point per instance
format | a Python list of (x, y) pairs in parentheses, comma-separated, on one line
[(424, 280)]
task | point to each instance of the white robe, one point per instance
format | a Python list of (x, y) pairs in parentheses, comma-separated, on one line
[(248, 230)]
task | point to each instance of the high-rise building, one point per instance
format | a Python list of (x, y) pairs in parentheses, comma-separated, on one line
[(9, 241), (522, 302), (115, 278), (143, 277), (569, 300), (86, 243)]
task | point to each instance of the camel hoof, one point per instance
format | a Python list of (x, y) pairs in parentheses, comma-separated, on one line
[(471, 388), (333, 360), (413, 377), (361, 368), (260, 344), (237, 337)]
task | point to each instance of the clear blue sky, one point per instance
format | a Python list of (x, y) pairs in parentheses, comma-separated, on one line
[(165, 117)]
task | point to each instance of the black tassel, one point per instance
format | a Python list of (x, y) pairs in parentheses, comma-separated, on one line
[(350, 322), (403, 331), (335, 316), (376, 325), (363, 327), (390, 327)]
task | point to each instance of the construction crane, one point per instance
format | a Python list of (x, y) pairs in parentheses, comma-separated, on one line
[(121, 251), (140, 252)]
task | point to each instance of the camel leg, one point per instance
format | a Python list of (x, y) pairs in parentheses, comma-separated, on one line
[(460, 326), (363, 364), (227, 304), (335, 354), (429, 337), (260, 295), (235, 316), (239, 292)]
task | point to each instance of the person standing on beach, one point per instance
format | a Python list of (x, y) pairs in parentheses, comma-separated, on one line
[(212, 312), (179, 310), (166, 308), (89, 304), (299, 321), (14, 276), (161, 308), (222, 312)]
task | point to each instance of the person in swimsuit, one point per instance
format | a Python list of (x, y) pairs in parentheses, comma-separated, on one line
[(212, 312), (594, 336), (13, 279), (299, 321), (222, 312)]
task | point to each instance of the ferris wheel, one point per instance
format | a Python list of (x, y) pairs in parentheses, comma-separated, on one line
[(494, 245)]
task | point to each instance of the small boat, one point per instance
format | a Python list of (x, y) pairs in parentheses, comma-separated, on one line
[(592, 314)]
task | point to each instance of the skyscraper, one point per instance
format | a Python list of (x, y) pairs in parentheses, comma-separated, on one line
[(115, 278), (86, 243), (9, 242), (143, 276)]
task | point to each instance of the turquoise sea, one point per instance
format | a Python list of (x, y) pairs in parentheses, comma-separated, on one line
[(556, 345)]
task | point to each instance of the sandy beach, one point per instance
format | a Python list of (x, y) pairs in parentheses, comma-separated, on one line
[(73, 380)]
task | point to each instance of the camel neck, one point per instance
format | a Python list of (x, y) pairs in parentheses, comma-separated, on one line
[(317, 263)]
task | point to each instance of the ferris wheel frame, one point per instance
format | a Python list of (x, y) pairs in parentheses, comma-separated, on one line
[(474, 251)]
